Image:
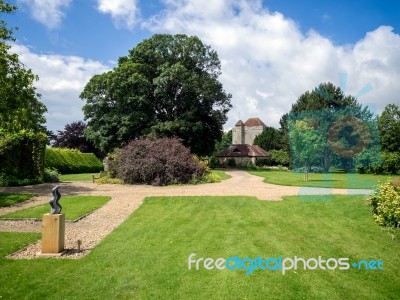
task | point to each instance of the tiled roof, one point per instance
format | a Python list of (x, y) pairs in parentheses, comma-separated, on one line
[(252, 122), (243, 150), (239, 123)]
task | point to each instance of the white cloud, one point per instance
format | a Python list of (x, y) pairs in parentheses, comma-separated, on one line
[(61, 80), (267, 62), (123, 12), (47, 12)]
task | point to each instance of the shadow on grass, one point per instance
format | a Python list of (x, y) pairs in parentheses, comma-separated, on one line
[(45, 189)]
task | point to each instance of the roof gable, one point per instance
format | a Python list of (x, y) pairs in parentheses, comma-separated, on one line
[(252, 122)]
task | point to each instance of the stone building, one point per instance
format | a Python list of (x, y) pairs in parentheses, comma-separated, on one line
[(242, 149), (245, 133)]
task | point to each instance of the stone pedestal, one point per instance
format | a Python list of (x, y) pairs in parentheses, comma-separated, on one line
[(53, 232)]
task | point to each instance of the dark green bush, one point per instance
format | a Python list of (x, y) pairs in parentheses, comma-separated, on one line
[(71, 161), (390, 165), (276, 158), (22, 158), (158, 162), (213, 162), (231, 163)]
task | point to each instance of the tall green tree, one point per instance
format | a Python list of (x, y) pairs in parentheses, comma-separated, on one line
[(73, 137), (22, 131), (270, 139), (20, 107), (306, 143), (167, 86), (325, 105), (389, 128), (225, 142)]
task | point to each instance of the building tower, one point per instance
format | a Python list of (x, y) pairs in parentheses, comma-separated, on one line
[(239, 136)]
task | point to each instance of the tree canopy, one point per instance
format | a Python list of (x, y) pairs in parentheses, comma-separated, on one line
[(269, 139), (389, 128), (73, 137), (167, 86), (345, 127), (20, 107)]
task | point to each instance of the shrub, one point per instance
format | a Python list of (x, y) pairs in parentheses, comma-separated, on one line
[(108, 179), (22, 158), (71, 161), (276, 158), (231, 163), (51, 175), (279, 158), (206, 178), (158, 162), (390, 165), (213, 162), (385, 203)]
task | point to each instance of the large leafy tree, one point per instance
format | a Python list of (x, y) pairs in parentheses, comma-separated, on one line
[(225, 142), (270, 139), (167, 86), (306, 143), (73, 137), (20, 107), (389, 128), (329, 109)]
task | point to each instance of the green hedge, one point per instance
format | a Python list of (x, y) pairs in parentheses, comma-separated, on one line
[(390, 164), (22, 157), (70, 161)]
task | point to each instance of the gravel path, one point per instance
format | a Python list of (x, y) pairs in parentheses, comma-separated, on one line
[(127, 198)]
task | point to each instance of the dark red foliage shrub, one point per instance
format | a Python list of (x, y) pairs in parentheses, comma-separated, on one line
[(158, 162)]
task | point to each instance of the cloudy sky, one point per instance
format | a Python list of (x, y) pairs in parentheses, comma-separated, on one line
[(271, 51)]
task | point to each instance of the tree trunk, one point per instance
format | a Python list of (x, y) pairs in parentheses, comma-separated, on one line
[(305, 172)]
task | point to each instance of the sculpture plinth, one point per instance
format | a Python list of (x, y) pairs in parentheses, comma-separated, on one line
[(53, 232), (53, 226)]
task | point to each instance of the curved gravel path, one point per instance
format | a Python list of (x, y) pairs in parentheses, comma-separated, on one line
[(127, 198)]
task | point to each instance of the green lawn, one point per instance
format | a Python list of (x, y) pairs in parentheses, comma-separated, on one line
[(331, 180), (11, 199), (221, 174), (72, 206), (78, 177), (146, 257)]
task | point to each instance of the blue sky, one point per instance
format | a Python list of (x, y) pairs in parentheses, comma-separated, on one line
[(271, 51)]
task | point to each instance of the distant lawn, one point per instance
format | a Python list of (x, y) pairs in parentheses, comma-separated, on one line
[(11, 199), (78, 177), (331, 180), (72, 206), (221, 174), (146, 257)]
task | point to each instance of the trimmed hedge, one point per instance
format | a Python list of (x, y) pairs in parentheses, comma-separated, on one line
[(22, 157), (71, 161)]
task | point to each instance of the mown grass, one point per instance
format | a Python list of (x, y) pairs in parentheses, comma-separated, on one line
[(78, 177), (11, 199), (328, 180), (221, 174), (72, 206), (146, 257)]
